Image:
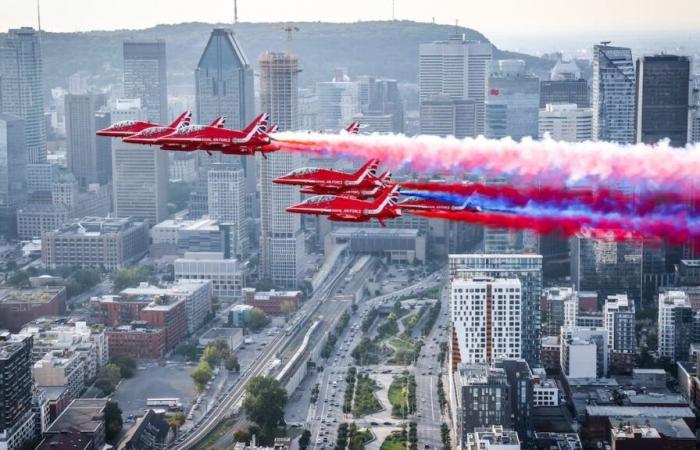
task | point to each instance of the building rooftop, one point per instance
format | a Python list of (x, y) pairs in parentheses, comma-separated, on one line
[(657, 399), (650, 428), (377, 232), (640, 411), (204, 224), (559, 441), (267, 295), (85, 415), (217, 333), (10, 345), (38, 295), (97, 226)]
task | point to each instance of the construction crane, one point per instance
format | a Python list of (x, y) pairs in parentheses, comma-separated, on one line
[(290, 29)]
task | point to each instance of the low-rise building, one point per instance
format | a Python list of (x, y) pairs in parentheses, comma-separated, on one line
[(492, 438), (600, 420), (61, 368), (149, 432), (550, 353), (557, 441), (397, 244), (179, 236), (21, 306), (86, 416), (584, 352), (238, 315), (272, 302), (38, 218), (137, 340), (232, 336), (651, 434), (95, 242), (226, 275)]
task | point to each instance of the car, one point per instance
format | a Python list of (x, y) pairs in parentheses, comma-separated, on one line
[(388, 423), (374, 424), (325, 439), (426, 446)]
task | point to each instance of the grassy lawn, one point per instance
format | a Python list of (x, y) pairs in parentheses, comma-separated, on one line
[(398, 397), (402, 343), (393, 442), (365, 400)]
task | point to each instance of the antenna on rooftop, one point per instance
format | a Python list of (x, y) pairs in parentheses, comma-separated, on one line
[(38, 13), (393, 9), (235, 11)]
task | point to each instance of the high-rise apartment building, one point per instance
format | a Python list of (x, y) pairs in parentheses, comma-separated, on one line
[(140, 174), (16, 417), (226, 196), (145, 77), (22, 88), (566, 122), (675, 325), (81, 142), (513, 101), (457, 68), (584, 352), (486, 319), (13, 165), (613, 93), (663, 87), (524, 267), (619, 320), (281, 238)]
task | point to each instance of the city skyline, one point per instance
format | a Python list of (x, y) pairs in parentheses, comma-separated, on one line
[(649, 15)]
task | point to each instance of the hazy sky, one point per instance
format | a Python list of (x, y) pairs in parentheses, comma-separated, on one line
[(519, 16)]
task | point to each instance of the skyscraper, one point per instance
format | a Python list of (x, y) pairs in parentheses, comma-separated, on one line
[(281, 238), (338, 101), (564, 91), (103, 148), (513, 101), (145, 77), (486, 319), (445, 116), (81, 145), (13, 165), (226, 196), (16, 417), (21, 88), (381, 105), (613, 94), (527, 269), (457, 68), (224, 81), (140, 174), (663, 87), (224, 87)]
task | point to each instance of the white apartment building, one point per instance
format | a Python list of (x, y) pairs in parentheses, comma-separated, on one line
[(566, 122), (673, 332), (227, 278), (486, 316), (619, 320)]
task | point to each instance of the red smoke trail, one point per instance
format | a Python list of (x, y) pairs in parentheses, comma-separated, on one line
[(657, 167), (615, 229)]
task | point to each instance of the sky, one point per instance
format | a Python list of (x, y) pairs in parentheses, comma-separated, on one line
[(498, 16)]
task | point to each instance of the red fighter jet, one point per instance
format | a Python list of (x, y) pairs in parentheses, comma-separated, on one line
[(218, 139), (423, 204), (326, 181), (359, 192), (150, 135), (345, 209), (127, 128)]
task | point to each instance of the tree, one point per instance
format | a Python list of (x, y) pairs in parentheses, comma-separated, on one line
[(288, 308), (264, 404), (126, 365), (232, 364), (257, 319), (19, 279), (202, 375), (107, 378), (304, 439), (241, 435), (113, 421), (187, 350), (124, 278), (215, 353), (177, 421)]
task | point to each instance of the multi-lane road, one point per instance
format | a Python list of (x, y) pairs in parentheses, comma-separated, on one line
[(231, 400)]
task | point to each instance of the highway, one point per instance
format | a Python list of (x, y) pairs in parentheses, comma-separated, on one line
[(230, 405)]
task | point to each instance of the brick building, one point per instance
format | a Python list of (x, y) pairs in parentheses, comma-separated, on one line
[(137, 340), (20, 306), (271, 302)]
